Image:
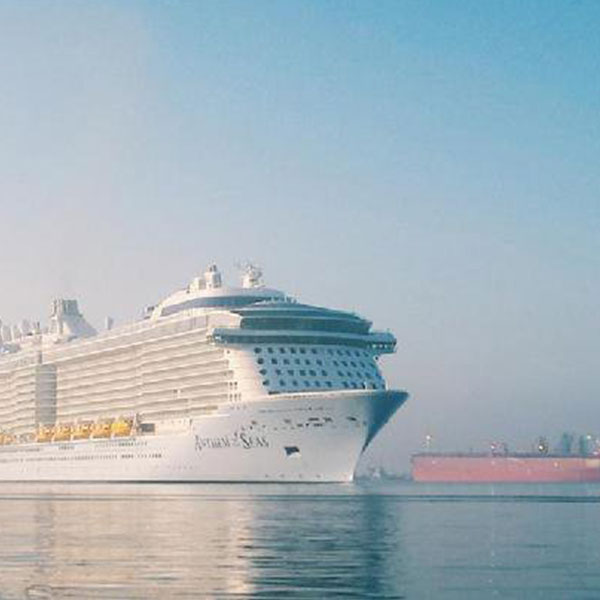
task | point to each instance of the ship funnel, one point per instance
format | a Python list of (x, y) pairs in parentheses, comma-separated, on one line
[(213, 278), (67, 322)]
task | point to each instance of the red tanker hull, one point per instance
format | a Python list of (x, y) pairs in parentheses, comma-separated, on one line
[(491, 469)]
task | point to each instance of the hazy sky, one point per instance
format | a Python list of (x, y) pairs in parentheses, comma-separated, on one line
[(434, 166)]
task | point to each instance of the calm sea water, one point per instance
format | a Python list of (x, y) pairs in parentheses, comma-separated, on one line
[(267, 541)]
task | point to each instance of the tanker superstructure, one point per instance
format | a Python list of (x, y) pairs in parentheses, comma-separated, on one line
[(215, 383)]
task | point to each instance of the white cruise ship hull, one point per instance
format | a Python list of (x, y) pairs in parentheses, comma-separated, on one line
[(301, 437)]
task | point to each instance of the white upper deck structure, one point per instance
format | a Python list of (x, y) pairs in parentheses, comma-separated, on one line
[(201, 347)]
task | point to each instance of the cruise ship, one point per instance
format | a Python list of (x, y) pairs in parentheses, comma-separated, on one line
[(214, 383)]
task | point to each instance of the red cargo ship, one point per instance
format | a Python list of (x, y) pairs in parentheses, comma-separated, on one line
[(480, 468)]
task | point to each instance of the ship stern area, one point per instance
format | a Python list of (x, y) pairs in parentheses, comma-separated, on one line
[(296, 437)]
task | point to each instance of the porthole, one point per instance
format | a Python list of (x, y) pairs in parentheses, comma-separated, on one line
[(282, 350), (286, 361), (281, 382), (293, 350), (266, 382), (263, 371), (273, 361), (290, 371), (307, 383), (324, 373), (314, 350), (260, 361), (302, 372), (328, 383), (258, 350), (277, 371), (295, 383), (313, 373), (270, 350), (319, 362), (302, 350)]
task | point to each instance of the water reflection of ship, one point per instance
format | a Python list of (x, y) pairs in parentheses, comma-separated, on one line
[(119, 543), (156, 542)]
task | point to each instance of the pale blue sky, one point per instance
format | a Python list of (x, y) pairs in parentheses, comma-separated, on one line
[(431, 165)]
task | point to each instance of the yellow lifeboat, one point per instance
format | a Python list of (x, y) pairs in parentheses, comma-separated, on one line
[(63, 433), (5, 438), (82, 431), (44, 434), (101, 430), (122, 427)]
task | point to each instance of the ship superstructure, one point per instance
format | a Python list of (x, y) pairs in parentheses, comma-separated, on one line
[(214, 383)]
